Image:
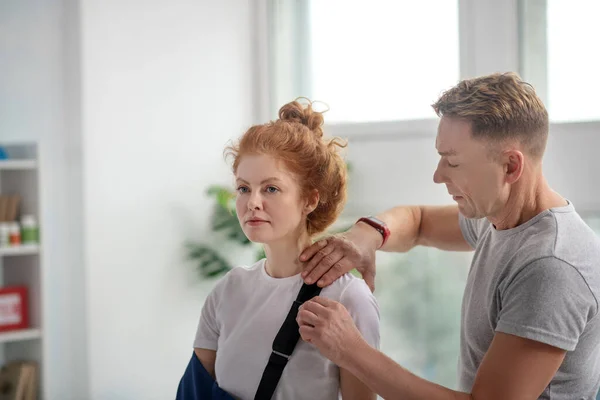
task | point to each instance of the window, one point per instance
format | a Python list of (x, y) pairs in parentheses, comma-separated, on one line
[(369, 61), (420, 296), (593, 220), (560, 39)]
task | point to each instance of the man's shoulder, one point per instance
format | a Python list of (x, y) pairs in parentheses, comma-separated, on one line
[(556, 248), (558, 232)]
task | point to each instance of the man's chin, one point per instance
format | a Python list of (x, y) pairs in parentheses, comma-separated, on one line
[(467, 212)]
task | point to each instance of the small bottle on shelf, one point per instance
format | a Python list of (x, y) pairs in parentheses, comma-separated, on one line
[(29, 230), (4, 234), (14, 234)]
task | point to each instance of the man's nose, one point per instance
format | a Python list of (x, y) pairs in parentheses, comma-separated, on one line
[(437, 176)]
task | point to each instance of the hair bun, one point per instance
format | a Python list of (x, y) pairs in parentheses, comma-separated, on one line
[(303, 114)]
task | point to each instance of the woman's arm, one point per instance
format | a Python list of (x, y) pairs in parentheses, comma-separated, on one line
[(207, 358), (353, 389)]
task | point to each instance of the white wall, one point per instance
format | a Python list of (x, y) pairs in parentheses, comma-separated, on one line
[(165, 84), (571, 164), (30, 61), (38, 102)]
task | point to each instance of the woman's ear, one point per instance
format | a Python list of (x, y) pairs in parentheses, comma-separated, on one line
[(312, 201)]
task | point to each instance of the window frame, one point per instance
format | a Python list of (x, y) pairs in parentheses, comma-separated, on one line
[(480, 53)]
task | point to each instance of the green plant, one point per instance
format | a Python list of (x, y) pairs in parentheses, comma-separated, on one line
[(225, 224)]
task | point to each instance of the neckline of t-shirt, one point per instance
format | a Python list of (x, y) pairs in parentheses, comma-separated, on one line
[(265, 276), (561, 209)]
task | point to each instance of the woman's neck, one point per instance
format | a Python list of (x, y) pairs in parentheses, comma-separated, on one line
[(282, 256)]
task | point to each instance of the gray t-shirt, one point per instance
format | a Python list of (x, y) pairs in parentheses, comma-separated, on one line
[(540, 281)]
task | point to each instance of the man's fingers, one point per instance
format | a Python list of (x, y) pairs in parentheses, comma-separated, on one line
[(318, 304), (338, 269), (310, 251), (323, 252), (331, 255), (306, 317), (316, 259), (307, 333)]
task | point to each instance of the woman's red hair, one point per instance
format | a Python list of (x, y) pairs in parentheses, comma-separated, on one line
[(296, 139)]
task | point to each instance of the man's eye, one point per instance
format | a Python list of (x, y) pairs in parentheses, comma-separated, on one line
[(452, 165)]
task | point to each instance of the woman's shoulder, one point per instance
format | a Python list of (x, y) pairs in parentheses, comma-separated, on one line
[(345, 286), (242, 272), (354, 294)]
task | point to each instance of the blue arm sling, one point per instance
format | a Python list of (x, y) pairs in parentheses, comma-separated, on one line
[(197, 384)]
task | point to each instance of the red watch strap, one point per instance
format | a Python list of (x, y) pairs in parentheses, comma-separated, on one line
[(379, 225)]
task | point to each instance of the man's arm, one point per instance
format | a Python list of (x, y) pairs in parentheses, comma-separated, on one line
[(513, 368), (434, 226), (354, 389)]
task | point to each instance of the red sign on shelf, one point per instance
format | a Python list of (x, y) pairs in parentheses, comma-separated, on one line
[(13, 308)]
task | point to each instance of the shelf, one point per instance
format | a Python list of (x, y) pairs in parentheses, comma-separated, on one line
[(20, 335), (22, 250), (18, 164)]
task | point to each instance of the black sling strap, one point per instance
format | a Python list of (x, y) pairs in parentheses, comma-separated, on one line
[(283, 345)]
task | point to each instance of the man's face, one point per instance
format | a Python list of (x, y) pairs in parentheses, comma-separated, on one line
[(473, 178)]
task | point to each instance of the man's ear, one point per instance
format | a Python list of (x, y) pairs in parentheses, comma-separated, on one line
[(312, 202), (514, 164)]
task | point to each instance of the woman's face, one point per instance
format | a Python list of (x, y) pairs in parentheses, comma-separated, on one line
[(269, 204)]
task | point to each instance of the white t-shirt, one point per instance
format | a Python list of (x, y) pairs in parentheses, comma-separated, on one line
[(242, 316)]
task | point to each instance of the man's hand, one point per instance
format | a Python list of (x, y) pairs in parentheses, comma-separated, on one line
[(328, 325), (332, 257)]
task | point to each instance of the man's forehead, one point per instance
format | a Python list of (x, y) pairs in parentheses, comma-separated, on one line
[(444, 148)]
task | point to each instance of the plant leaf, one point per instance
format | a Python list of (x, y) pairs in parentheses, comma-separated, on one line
[(227, 222), (224, 197), (210, 263)]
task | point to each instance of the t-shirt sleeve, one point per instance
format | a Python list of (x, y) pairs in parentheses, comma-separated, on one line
[(471, 228), (207, 334), (364, 310), (549, 302)]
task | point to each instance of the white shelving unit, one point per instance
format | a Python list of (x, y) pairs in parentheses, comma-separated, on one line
[(17, 165), (20, 335), (21, 265), (27, 249)]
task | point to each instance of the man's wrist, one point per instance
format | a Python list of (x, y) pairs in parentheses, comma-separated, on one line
[(366, 235), (355, 355), (377, 225)]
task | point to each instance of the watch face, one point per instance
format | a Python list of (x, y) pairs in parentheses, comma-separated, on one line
[(377, 221)]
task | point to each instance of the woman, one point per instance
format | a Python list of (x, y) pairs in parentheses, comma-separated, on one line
[(291, 185)]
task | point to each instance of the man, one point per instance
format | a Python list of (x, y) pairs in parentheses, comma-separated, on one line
[(529, 327)]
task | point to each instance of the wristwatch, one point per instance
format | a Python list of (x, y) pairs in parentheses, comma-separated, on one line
[(379, 225)]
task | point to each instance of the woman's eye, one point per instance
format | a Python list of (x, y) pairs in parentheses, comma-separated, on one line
[(272, 189), (452, 165), (242, 189)]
